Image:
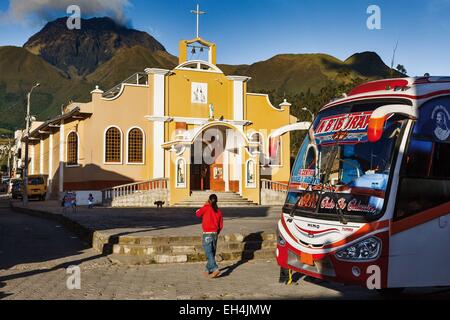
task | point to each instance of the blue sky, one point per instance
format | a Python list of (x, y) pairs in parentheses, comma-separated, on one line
[(247, 31)]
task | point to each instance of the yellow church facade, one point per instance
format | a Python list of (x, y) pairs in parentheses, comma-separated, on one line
[(193, 127)]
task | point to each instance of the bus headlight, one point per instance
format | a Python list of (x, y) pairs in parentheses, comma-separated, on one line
[(281, 240), (367, 249)]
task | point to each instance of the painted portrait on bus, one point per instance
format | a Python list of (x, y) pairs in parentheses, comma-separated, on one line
[(441, 118)]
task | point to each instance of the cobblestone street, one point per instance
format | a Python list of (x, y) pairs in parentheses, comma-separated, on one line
[(34, 255)]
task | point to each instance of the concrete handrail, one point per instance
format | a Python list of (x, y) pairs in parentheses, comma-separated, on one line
[(127, 189), (273, 185)]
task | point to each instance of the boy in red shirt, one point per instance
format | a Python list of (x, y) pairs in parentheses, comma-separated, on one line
[(212, 225)]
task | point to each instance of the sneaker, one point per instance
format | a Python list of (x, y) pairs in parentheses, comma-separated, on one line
[(215, 274)]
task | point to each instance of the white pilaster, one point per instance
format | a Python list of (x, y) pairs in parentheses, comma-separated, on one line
[(32, 156), (239, 159), (226, 170), (61, 156), (41, 156), (159, 89), (50, 163), (238, 96)]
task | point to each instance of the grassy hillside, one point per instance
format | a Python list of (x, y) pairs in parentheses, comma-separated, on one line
[(5, 133), (128, 61), (288, 74), (296, 73), (20, 70)]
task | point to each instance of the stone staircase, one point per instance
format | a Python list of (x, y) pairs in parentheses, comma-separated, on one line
[(226, 199), (183, 249)]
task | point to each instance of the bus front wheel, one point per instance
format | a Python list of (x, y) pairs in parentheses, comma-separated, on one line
[(284, 275)]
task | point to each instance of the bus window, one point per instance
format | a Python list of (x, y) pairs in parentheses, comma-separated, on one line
[(425, 176), (351, 167), (311, 158), (336, 164)]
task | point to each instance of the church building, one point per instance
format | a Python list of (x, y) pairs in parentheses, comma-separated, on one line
[(192, 128)]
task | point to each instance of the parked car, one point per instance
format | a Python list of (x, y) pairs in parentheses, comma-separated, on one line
[(37, 187)]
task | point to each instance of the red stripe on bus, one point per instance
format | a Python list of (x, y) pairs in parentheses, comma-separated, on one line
[(428, 95), (283, 222), (312, 232), (420, 218), (365, 229)]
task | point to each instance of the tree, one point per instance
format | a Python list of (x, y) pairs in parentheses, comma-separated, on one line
[(401, 68)]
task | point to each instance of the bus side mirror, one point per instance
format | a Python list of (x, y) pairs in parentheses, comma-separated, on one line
[(378, 118), (375, 130)]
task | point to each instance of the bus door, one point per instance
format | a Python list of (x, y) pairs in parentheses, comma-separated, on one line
[(420, 232)]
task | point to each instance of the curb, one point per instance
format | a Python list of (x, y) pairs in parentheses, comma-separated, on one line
[(85, 234)]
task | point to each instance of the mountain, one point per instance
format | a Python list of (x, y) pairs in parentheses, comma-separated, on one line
[(294, 73), (69, 63), (128, 61), (80, 52), (20, 70), (369, 64)]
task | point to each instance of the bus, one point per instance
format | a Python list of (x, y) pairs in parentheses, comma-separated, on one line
[(369, 194)]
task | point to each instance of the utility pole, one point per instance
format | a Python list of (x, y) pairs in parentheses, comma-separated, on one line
[(9, 158), (393, 59), (27, 133), (310, 112)]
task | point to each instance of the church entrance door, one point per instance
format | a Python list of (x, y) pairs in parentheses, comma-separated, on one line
[(200, 177), (216, 160)]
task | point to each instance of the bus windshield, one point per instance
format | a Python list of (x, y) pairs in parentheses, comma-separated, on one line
[(338, 172)]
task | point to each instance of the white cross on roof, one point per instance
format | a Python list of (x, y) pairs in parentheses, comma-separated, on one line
[(198, 13)]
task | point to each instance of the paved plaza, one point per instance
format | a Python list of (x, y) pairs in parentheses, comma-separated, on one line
[(35, 253), (159, 222)]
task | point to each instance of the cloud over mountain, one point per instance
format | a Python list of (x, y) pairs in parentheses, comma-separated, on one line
[(41, 11)]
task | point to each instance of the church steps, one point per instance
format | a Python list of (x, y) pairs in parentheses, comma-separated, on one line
[(196, 206), (196, 200), (193, 240), (133, 250), (192, 257), (136, 250), (226, 199)]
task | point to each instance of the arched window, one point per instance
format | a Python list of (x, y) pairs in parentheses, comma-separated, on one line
[(113, 145), (257, 137), (250, 170), (181, 173), (135, 146), (72, 149)]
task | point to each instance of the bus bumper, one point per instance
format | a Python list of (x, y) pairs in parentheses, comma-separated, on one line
[(325, 266)]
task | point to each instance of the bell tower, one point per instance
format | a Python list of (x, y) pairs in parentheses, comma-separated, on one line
[(197, 48)]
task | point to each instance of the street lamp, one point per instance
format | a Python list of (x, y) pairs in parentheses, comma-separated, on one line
[(27, 133), (312, 114)]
